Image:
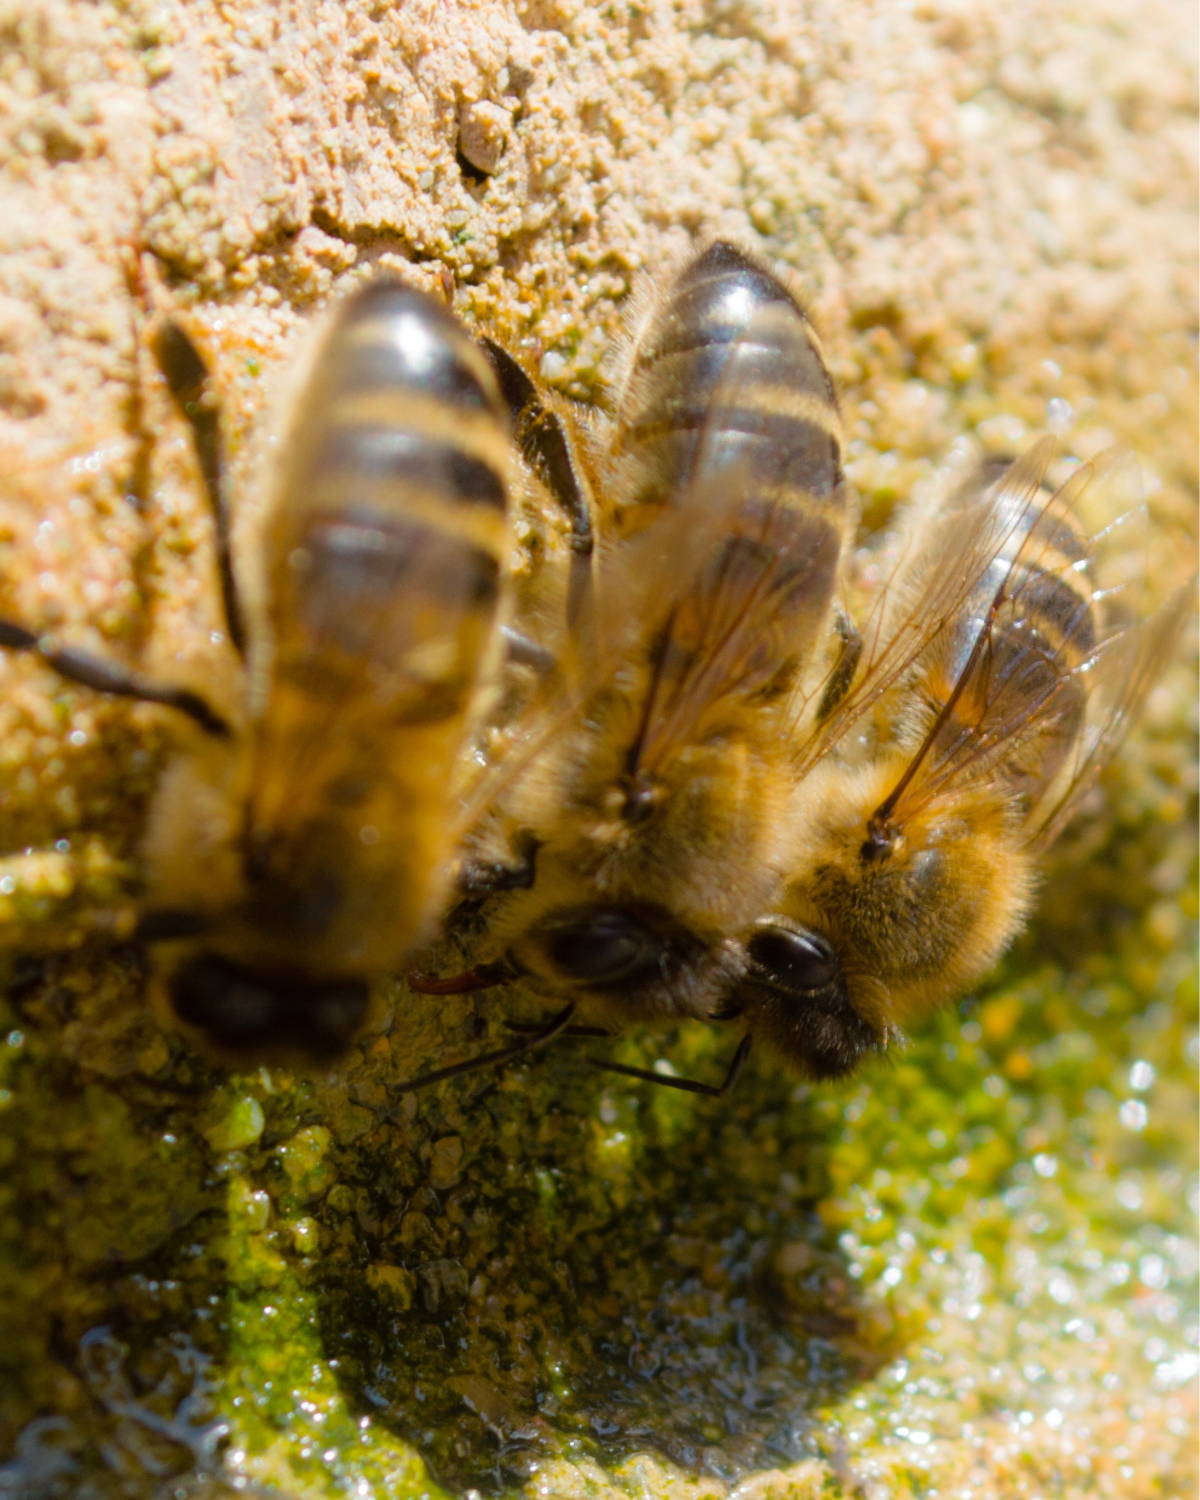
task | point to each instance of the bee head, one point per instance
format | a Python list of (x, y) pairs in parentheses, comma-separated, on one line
[(634, 957), (240, 1012), (924, 905), (891, 909), (864, 941)]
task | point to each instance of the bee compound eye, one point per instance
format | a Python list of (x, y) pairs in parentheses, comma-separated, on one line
[(796, 998), (238, 1010), (603, 947), (795, 959)]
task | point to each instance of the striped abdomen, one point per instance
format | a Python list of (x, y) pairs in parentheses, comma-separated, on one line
[(728, 389), (779, 402), (388, 541), (1021, 699)]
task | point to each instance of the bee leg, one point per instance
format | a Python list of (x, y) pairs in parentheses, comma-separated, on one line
[(546, 448), (516, 388), (491, 1059), (689, 1085), (110, 677), (528, 653), (580, 600), (588, 1031), (479, 880), (190, 384), (837, 684), (165, 924)]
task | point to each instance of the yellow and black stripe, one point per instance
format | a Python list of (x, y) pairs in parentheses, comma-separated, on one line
[(388, 541), (783, 415), (728, 380), (1004, 676)]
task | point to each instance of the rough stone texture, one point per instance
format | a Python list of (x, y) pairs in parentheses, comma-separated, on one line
[(992, 208)]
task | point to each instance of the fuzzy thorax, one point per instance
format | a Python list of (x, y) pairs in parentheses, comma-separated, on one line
[(692, 856)]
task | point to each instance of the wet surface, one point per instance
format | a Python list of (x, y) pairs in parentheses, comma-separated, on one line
[(975, 1263)]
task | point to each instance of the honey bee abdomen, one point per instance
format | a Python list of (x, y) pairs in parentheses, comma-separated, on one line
[(729, 412), (381, 459), (793, 551), (389, 535), (1047, 614), (773, 410), (784, 445), (1023, 691), (779, 567), (390, 337), (380, 592), (1057, 609)]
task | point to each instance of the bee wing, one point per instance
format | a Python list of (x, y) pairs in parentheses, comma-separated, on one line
[(733, 581), (941, 567), (1124, 675), (637, 580), (1063, 685), (748, 566), (1027, 686)]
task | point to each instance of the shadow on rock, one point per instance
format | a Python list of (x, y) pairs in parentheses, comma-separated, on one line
[(551, 1262)]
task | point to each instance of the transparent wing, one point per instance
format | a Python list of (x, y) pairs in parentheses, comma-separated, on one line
[(1014, 669), (752, 600), (638, 582), (1123, 678), (730, 586), (945, 558), (1062, 659)]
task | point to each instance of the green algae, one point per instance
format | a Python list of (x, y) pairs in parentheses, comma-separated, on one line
[(958, 1274)]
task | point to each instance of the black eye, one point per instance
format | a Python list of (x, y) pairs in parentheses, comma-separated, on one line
[(604, 947), (243, 1012), (796, 998), (795, 960)]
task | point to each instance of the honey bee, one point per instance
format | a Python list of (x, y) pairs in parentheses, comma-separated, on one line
[(646, 834), (1004, 663), (915, 845), (300, 841)]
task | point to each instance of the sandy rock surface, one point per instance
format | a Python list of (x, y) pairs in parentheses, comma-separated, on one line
[(991, 211), (990, 207)]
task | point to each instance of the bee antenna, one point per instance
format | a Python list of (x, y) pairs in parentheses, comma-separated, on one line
[(880, 831), (688, 1085)]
